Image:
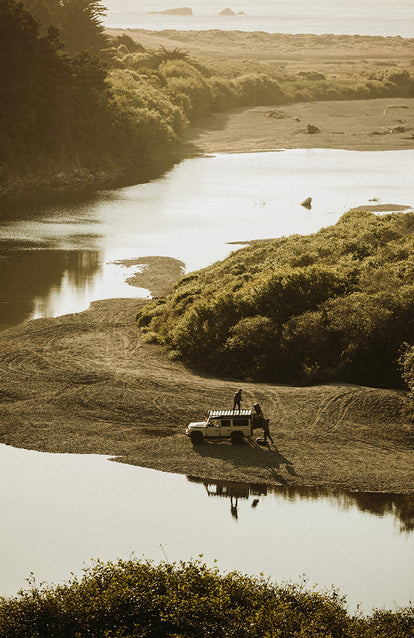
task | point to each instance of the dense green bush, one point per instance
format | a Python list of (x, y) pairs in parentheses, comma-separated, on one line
[(406, 362), (148, 119), (199, 89), (336, 305), (187, 600), (125, 40)]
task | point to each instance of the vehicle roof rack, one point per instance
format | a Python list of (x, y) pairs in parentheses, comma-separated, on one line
[(215, 414)]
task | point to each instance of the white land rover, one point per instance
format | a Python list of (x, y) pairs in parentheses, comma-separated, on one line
[(222, 424)]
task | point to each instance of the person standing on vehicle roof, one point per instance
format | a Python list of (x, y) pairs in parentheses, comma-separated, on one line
[(237, 399)]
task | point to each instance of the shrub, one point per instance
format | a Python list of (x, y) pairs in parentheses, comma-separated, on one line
[(137, 599), (251, 344), (406, 365), (332, 306), (125, 40)]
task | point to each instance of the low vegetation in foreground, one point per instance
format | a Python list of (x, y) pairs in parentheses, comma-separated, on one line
[(187, 600), (337, 305)]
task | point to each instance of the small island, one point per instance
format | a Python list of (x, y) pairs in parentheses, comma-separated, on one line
[(227, 12), (181, 11)]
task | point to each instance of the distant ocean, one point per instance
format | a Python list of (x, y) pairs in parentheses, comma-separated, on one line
[(363, 17)]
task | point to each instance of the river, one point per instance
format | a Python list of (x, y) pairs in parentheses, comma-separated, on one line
[(60, 511), (58, 259)]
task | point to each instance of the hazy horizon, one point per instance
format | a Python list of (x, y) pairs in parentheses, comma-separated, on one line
[(366, 17), (277, 7)]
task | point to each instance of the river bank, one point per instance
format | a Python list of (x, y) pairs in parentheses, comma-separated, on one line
[(50, 183), (88, 383), (357, 125), (363, 125)]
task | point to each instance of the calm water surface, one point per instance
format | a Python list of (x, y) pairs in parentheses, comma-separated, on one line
[(59, 511), (370, 17), (61, 258)]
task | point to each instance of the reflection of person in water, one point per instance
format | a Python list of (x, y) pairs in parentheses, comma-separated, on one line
[(233, 507)]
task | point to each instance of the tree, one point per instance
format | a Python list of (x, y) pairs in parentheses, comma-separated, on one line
[(44, 10), (33, 81), (80, 24)]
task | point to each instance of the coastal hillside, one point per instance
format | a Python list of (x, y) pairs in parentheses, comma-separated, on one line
[(282, 47)]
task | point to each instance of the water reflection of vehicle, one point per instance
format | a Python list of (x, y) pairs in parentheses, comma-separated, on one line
[(231, 490)]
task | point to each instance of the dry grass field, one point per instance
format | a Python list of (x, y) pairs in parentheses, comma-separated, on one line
[(281, 48)]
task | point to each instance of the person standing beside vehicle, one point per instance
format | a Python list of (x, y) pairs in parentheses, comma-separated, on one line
[(266, 430)]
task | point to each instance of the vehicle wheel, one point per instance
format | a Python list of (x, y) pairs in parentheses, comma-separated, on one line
[(196, 438), (237, 438)]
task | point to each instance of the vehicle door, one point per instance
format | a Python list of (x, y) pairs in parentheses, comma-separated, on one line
[(213, 428), (243, 425), (225, 428)]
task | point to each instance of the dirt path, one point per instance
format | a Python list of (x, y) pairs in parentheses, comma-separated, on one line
[(87, 383)]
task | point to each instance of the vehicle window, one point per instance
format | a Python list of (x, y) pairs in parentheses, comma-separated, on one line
[(241, 422), (225, 423)]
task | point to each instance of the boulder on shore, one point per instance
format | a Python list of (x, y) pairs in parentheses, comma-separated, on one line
[(312, 129)]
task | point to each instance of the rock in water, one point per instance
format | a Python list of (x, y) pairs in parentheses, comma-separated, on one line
[(307, 203), (181, 11), (227, 12)]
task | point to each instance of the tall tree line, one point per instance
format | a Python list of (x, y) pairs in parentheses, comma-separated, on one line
[(53, 105), (79, 22)]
